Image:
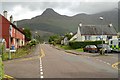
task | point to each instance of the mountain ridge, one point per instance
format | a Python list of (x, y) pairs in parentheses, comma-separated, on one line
[(53, 22)]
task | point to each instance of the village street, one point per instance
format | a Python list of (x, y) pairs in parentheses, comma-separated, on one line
[(48, 62)]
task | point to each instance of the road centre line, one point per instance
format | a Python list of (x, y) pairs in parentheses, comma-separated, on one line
[(108, 63), (42, 54), (41, 70), (40, 67), (41, 77), (41, 73), (105, 62)]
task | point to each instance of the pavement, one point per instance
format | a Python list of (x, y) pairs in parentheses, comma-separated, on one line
[(49, 62)]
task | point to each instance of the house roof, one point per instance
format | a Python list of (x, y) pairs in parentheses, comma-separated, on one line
[(2, 17), (97, 30)]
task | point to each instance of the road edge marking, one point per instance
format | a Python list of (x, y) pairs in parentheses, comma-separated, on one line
[(115, 65), (9, 77)]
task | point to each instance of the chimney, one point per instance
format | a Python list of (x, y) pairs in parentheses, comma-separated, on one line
[(11, 19), (15, 23), (5, 14)]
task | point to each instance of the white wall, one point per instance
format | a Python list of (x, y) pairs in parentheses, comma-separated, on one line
[(97, 37)]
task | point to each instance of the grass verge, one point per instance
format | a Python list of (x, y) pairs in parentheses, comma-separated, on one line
[(80, 50), (21, 52), (66, 47)]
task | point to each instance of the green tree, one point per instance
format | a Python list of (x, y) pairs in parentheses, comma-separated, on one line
[(28, 35), (1, 69), (39, 39), (68, 35), (55, 39)]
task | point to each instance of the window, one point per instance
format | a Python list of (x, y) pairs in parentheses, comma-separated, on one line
[(87, 37), (111, 42), (109, 37)]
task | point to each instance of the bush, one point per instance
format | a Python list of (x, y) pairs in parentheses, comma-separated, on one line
[(1, 69), (82, 44), (32, 43)]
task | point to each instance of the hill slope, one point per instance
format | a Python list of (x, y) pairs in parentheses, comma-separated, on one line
[(53, 22)]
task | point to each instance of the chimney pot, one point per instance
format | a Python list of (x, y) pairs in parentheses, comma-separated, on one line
[(11, 19), (5, 14)]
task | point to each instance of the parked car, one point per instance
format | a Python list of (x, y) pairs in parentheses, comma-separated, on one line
[(105, 47), (90, 48)]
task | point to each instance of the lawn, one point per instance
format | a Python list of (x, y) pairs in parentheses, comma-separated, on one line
[(66, 47), (80, 50)]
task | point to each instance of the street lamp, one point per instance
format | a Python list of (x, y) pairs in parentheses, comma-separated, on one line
[(80, 24), (101, 18), (36, 35), (110, 25), (36, 32), (10, 33)]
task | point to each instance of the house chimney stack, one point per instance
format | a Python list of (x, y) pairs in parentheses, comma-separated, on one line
[(5, 14), (11, 19)]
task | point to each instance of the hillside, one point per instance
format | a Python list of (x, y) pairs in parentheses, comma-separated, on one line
[(52, 22)]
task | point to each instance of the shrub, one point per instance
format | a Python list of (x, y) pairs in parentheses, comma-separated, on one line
[(1, 69), (82, 44), (32, 43)]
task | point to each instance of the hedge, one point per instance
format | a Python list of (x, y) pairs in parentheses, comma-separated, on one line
[(1, 69), (82, 44)]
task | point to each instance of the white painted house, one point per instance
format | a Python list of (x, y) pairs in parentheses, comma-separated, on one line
[(94, 32)]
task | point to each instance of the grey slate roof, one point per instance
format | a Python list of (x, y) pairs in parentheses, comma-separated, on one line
[(97, 30)]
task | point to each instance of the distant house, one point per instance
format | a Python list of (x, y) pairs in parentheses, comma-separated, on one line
[(10, 32), (94, 32)]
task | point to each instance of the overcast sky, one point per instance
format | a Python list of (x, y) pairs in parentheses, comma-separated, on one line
[(27, 9)]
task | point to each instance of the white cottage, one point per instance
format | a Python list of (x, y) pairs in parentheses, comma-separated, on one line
[(94, 32)]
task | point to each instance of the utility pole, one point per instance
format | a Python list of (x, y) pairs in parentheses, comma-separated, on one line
[(9, 54), (101, 18)]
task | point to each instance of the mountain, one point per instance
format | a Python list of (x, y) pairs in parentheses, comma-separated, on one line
[(119, 16), (52, 22)]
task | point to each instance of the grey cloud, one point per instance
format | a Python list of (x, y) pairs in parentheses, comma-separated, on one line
[(94, 7), (89, 7)]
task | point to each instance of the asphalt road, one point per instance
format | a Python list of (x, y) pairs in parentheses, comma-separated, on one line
[(48, 62), (27, 67)]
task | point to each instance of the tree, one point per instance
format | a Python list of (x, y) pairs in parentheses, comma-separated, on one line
[(39, 39), (28, 35), (68, 35), (55, 39)]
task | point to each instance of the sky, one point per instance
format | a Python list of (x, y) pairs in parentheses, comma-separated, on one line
[(25, 9)]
